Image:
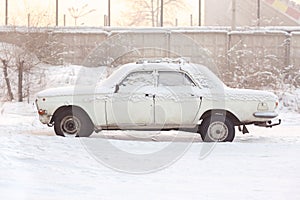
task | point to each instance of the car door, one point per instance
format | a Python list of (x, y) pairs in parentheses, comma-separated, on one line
[(130, 106), (177, 100)]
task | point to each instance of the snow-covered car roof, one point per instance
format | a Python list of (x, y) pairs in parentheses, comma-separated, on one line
[(201, 74)]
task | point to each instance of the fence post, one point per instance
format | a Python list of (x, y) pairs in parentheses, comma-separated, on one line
[(161, 13), (6, 12), (56, 13), (28, 19)]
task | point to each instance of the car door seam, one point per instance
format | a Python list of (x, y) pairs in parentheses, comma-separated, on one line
[(105, 110)]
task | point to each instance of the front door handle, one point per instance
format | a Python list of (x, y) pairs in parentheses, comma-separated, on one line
[(150, 95)]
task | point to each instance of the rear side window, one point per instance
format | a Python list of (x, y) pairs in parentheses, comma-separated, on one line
[(173, 78)]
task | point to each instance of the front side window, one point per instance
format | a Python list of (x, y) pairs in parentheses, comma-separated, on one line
[(138, 79), (173, 78)]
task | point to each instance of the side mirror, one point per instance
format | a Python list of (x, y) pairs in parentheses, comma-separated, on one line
[(117, 88)]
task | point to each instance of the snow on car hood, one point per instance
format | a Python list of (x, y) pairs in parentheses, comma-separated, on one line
[(74, 90)]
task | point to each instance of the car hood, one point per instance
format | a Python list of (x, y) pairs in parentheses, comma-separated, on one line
[(74, 90)]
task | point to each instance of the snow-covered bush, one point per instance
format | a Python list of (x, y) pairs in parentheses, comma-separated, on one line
[(264, 71), (290, 101), (249, 69)]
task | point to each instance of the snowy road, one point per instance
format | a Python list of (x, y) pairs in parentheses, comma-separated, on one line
[(34, 164)]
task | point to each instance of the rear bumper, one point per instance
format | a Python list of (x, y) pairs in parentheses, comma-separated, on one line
[(268, 116), (265, 115)]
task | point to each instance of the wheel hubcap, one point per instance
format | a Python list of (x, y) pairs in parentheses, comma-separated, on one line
[(217, 131), (70, 126)]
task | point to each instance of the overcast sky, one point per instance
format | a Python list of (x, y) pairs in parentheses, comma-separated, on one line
[(43, 12), (18, 10)]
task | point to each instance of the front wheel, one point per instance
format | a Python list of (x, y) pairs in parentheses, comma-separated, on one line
[(217, 129), (73, 123)]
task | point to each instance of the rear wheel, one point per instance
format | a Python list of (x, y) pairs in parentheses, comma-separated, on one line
[(217, 129), (73, 122)]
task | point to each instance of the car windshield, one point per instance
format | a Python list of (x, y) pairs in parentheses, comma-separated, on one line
[(203, 76), (116, 76)]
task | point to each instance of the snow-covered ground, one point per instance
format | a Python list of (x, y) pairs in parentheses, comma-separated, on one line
[(35, 164)]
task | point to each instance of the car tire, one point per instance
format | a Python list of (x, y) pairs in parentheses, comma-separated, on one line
[(73, 122), (217, 129)]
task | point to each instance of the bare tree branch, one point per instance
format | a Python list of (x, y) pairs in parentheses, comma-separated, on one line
[(147, 12), (77, 13)]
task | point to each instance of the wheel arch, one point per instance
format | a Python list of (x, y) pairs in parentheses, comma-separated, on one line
[(72, 107), (221, 112)]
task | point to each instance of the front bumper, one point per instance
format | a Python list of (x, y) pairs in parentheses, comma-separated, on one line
[(43, 116)]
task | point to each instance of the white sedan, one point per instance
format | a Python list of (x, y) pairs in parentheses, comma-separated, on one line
[(157, 95)]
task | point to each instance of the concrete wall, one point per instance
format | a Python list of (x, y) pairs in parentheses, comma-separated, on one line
[(228, 52), (295, 49)]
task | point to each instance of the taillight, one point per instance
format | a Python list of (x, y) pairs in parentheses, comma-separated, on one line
[(276, 104)]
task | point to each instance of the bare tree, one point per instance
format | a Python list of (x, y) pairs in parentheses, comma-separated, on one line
[(35, 46), (39, 18), (16, 63), (147, 12), (77, 13), (48, 46), (6, 78)]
